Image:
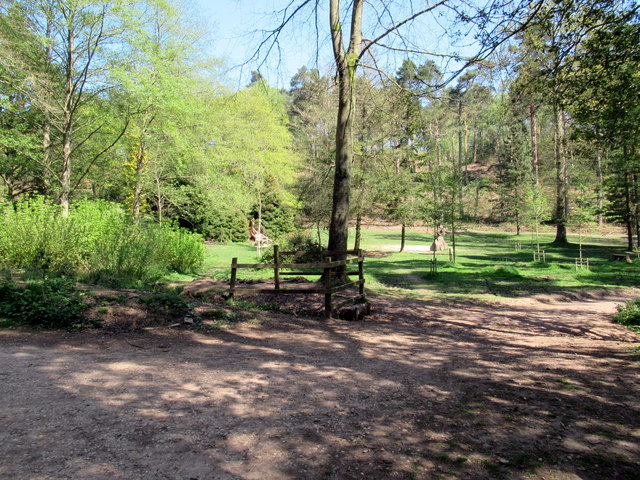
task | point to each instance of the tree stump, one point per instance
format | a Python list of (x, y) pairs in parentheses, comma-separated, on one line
[(355, 312)]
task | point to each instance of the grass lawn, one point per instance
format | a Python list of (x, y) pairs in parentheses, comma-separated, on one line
[(487, 263)]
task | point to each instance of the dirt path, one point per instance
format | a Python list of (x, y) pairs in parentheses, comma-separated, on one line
[(532, 388)]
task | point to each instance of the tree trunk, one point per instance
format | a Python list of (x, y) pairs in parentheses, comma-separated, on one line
[(346, 64), (259, 236), (403, 237), (561, 176), (458, 176), (159, 200), (600, 187), (140, 166), (636, 219), (534, 144), (356, 243), (137, 189), (628, 215), (65, 174), (46, 154)]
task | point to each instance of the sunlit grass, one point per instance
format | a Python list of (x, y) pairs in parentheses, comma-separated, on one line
[(487, 264)]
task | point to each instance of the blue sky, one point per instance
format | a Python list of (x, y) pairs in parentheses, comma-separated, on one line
[(234, 24)]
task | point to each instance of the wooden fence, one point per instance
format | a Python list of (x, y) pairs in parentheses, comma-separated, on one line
[(329, 269)]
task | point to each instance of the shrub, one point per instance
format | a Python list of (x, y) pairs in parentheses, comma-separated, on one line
[(629, 313), (277, 220), (97, 242), (50, 303), (504, 271), (232, 227), (297, 241)]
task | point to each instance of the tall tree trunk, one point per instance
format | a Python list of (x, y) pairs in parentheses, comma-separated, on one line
[(438, 150), (140, 166), (259, 236), (534, 144), (137, 189), (46, 129), (458, 175), (65, 174), (636, 219), (346, 64), (67, 130), (561, 176), (628, 214), (600, 190), (46, 153), (403, 236), (358, 234), (159, 200)]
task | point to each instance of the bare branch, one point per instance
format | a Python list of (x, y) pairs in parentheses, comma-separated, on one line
[(98, 155), (400, 24)]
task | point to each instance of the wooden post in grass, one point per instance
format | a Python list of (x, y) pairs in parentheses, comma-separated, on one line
[(234, 273), (276, 268)]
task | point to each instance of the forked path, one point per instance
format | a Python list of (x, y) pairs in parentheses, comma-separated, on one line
[(533, 388)]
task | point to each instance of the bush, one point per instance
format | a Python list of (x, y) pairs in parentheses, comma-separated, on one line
[(228, 228), (294, 242), (50, 303), (97, 242), (629, 313), (504, 271), (277, 220)]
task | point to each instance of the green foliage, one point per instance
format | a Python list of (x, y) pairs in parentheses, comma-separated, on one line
[(629, 313), (277, 220), (167, 301), (98, 242), (299, 241), (50, 303), (505, 271), (229, 227)]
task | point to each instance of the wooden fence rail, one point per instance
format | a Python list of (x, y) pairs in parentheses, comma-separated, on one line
[(328, 267)]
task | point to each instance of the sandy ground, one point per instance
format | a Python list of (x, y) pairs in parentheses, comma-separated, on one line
[(529, 388)]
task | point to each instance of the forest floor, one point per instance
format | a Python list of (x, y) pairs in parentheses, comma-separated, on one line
[(540, 387)]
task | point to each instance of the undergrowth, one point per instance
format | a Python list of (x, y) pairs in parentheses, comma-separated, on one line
[(629, 314), (99, 243), (50, 303)]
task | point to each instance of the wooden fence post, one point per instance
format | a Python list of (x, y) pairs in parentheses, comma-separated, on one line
[(276, 269), (234, 273), (327, 290), (361, 272)]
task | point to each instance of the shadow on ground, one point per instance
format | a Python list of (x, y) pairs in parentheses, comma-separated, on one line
[(419, 391)]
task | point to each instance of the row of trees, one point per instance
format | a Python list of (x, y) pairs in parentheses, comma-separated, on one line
[(555, 139), (114, 100)]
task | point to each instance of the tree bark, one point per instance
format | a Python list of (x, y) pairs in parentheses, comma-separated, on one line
[(403, 237), (356, 243), (534, 144), (561, 176), (458, 176), (346, 63), (600, 174), (628, 215)]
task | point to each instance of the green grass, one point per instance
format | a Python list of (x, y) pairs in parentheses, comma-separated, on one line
[(487, 264)]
